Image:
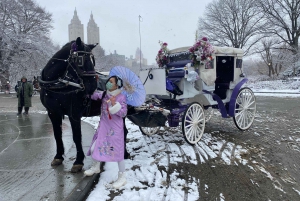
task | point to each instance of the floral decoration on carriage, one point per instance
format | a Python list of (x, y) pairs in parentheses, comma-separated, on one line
[(162, 56), (201, 52)]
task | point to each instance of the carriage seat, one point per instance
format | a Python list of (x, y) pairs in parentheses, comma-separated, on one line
[(176, 75), (173, 78)]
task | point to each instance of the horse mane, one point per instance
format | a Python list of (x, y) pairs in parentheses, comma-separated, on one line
[(64, 51)]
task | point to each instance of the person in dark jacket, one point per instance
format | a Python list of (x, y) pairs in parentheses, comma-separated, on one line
[(24, 95)]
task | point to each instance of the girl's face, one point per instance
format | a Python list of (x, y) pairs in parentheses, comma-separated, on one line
[(113, 81)]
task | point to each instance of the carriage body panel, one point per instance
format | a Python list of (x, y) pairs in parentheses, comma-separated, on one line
[(154, 81)]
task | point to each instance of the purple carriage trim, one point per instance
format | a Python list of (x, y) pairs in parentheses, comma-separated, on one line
[(221, 105), (234, 96)]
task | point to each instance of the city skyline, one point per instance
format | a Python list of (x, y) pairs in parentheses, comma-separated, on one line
[(174, 22)]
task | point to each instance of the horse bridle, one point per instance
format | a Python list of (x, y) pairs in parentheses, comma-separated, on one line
[(76, 62)]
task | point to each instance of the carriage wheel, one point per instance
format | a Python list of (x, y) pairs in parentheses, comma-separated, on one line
[(149, 130), (193, 123), (245, 109), (208, 114)]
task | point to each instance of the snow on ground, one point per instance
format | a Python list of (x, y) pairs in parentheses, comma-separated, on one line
[(277, 93), (274, 85), (147, 178), (278, 88)]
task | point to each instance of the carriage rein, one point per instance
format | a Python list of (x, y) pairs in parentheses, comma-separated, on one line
[(75, 61)]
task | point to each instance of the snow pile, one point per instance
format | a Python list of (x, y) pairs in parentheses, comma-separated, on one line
[(273, 85)]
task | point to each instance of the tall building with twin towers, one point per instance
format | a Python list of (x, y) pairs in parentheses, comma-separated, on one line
[(76, 29)]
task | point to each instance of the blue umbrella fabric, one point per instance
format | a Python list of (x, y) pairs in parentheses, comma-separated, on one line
[(133, 87)]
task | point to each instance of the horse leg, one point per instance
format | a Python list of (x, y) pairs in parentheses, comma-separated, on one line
[(56, 123), (76, 128)]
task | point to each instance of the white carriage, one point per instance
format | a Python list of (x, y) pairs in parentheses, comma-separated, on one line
[(219, 87)]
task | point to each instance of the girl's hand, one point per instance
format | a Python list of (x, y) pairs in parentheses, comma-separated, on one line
[(113, 100)]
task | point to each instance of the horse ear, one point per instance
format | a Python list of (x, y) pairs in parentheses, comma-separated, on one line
[(92, 46), (78, 41)]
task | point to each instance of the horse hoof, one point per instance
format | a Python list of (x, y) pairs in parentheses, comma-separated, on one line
[(56, 162), (76, 168)]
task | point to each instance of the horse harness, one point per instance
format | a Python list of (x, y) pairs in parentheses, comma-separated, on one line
[(76, 61)]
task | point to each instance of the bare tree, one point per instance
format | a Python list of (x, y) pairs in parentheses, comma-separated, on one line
[(24, 42), (284, 16), (255, 67), (275, 56), (265, 50), (233, 23)]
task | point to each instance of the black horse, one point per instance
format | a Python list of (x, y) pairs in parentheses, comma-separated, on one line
[(66, 82)]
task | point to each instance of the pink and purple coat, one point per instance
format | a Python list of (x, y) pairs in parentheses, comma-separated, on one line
[(109, 136)]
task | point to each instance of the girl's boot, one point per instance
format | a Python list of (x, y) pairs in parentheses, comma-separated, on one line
[(121, 181)]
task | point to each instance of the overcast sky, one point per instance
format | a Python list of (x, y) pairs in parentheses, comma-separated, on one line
[(171, 21)]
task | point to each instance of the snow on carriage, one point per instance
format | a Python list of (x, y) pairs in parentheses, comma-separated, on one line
[(178, 92)]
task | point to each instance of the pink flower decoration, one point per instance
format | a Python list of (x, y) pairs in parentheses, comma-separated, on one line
[(162, 55), (205, 51)]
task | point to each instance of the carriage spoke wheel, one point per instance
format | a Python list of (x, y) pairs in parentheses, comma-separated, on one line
[(149, 130), (245, 109), (193, 123)]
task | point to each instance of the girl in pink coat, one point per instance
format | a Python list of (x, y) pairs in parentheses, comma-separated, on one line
[(108, 142)]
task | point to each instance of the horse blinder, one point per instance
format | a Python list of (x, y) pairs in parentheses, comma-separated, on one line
[(79, 60)]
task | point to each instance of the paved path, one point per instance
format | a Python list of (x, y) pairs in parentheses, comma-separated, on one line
[(27, 147)]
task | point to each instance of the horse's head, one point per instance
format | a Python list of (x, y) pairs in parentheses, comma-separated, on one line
[(84, 62), (73, 65)]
